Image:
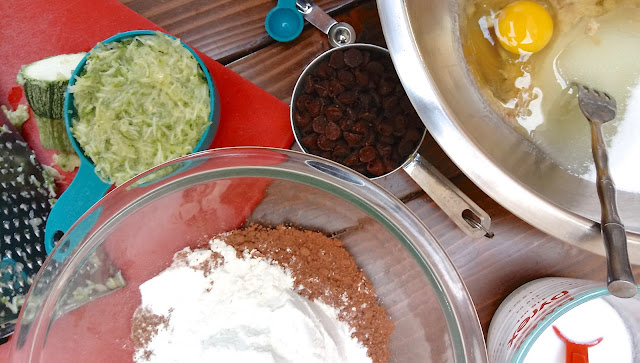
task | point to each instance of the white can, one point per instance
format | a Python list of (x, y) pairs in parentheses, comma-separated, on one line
[(583, 311)]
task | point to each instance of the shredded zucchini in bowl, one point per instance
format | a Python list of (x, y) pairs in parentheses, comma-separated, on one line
[(140, 102)]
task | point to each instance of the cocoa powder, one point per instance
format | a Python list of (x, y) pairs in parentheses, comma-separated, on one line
[(323, 269), (144, 326)]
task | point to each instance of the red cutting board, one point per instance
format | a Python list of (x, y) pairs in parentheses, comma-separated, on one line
[(34, 29)]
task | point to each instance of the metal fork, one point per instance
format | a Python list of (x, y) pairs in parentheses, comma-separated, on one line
[(599, 107)]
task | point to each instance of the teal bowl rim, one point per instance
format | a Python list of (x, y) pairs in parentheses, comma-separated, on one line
[(214, 113)]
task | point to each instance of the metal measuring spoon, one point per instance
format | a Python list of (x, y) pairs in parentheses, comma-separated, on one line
[(284, 22), (339, 33)]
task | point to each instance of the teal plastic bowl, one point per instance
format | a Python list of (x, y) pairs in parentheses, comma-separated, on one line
[(87, 188)]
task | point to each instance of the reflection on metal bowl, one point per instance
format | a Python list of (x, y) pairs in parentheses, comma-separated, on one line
[(424, 40)]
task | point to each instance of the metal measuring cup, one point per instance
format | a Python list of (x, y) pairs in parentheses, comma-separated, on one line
[(461, 209)]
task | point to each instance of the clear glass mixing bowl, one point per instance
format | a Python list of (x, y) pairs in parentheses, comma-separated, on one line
[(77, 310)]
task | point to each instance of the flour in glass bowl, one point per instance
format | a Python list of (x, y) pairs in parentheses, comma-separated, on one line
[(212, 304)]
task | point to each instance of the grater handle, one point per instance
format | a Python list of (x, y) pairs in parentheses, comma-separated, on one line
[(85, 190)]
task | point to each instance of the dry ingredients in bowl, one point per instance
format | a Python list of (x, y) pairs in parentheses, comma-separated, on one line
[(262, 294)]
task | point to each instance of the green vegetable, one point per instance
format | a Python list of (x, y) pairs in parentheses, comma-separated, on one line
[(67, 161), (45, 82), (53, 134), (17, 117), (140, 102)]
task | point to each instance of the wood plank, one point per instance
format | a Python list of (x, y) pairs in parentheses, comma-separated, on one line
[(225, 29)]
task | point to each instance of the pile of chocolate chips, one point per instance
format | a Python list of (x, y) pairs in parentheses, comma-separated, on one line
[(353, 110)]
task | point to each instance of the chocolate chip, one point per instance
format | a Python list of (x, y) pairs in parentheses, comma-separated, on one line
[(399, 131), (308, 84), (335, 88), (385, 128), (346, 124), (332, 131), (333, 113), (346, 78), (352, 159), (385, 87), (324, 71), (399, 121), (376, 167), (325, 144), (314, 107), (319, 124), (351, 114), (369, 138), (362, 78), (353, 57), (347, 97), (341, 150), (387, 139), (413, 135), (302, 119), (322, 88), (384, 149), (353, 110), (301, 102), (310, 142), (367, 117), (375, 67), (336, 60), (360, 127), (352, 138), (405, 147), (389, 165), (389, 102), (367, 154)]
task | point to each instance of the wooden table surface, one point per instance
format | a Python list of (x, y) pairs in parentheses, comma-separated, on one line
[(232, 32)]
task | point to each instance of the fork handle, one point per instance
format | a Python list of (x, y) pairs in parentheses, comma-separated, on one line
[(620, 279)]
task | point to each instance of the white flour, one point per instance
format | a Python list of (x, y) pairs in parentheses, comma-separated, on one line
[(244, 310)]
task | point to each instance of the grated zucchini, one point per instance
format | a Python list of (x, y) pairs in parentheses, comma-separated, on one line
[(67, 161), (17, 117), (140, 102)]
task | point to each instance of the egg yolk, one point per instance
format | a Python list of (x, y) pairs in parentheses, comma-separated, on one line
[(524, 26)]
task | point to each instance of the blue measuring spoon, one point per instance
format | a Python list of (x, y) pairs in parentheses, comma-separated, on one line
[(284, 22), (87, 188)]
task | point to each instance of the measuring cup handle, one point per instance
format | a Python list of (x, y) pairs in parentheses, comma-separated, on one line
[(86, 189), (466, 214)]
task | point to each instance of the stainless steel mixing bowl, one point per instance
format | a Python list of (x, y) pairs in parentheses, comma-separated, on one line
[(424, 40)]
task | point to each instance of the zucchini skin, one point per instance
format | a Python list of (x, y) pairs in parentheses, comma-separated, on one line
[(46, 98), (53, 134)]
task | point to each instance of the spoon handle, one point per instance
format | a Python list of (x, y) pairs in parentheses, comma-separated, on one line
[(315, 15), (619, 275)]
